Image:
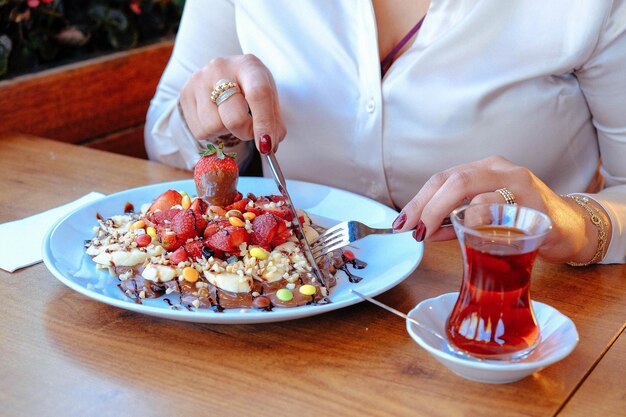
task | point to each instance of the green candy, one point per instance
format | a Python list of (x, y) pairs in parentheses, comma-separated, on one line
[(284, 294)]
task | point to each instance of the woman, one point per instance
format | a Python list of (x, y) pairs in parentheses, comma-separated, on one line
[(483, 101)]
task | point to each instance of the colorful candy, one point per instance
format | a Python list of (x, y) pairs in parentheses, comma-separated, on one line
[(284, 294), (308, 289)]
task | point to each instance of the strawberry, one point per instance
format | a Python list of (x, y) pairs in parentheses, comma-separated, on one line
[(283, 233), (194, 249), (184, 225), (274, 204), (178, 256), (215, 175), (199, 206), (269, 231), (166, 201), (228, 239), (162, 217), (238, 205), (169, 240), (188, 224), (348, 255), (214, 226)]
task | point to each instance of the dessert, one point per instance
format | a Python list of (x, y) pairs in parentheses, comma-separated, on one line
[(244, 255), (216, 251)]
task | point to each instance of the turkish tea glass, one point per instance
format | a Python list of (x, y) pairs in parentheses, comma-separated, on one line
[(493, 317)]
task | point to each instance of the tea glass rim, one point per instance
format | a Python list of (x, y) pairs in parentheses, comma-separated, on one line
[(457, 223)]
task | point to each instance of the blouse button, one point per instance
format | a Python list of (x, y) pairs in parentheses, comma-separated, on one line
[(371, 105)]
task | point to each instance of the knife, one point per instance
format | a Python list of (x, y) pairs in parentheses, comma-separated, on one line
[(282, 187)]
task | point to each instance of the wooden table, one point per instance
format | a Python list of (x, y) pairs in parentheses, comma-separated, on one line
[(63, 354)]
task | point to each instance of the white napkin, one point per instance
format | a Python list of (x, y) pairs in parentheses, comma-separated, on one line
[(21, 240)]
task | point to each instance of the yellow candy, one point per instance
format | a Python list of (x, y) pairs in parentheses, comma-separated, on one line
[(186, 202), (151, 231), (139, 224), (190, 274), (259, 253), (308, 289), (248, 215), (284, 294)]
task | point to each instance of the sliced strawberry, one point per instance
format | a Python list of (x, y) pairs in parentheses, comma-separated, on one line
[(282, 211), (188, 224), (228, 239), (184, 225), (169, 240), (166, 201), (238, 196), (162, 216), (178, 256), (239, 205), (283, 233), (348, 255), (274, 204), (199, 206), (194, 249), (238, 235), (215, 225), (264, 229), (256, 210)]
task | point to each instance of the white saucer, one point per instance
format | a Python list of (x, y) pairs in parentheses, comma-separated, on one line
[(558, 339)]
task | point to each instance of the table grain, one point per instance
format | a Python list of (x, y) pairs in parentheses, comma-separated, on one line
[(63, 354)]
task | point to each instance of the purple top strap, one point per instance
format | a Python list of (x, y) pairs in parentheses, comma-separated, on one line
[(386, 62)]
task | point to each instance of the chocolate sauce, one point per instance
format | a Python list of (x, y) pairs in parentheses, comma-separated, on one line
[(217, 188), (173, 306), (356, 264)]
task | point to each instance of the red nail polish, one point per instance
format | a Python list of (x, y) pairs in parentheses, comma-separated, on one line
[(265, 144), (420, 231), (399, 221)]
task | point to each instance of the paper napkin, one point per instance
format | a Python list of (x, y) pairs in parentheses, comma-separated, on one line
[(21, 240)]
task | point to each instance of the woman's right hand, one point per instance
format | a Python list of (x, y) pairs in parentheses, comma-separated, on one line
[(253, 114)]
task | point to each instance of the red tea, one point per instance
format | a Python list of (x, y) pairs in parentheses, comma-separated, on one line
[(492, 315)]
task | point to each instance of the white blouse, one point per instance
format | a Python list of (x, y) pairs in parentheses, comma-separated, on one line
[(542, 83)]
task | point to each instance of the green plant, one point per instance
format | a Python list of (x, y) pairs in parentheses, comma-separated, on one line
[(36, 34)]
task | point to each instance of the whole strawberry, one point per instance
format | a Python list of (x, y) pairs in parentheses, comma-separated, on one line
[(216, 175)]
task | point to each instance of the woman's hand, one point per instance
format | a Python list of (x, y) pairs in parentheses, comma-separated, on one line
[(252, 114), (572, 238)]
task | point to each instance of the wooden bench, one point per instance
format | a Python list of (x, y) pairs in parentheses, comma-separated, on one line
[(100, 103)]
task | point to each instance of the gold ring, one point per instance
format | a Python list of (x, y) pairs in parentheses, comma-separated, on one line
[(509, 197), (223, 90)]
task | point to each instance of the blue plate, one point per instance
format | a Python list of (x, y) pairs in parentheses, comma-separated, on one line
[(390, 258)]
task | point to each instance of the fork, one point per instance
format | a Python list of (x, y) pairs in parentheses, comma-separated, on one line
[(342, 235), (346, 233)]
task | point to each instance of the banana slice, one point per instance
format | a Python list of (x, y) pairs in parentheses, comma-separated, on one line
[(228, 281), (309, 233), (159, 273), (121, 257)]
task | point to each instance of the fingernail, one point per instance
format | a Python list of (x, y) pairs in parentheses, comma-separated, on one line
[(399, 221), (420, 231), (265, 144)]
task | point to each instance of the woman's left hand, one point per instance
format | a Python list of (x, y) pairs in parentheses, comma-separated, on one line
[(572, 238)]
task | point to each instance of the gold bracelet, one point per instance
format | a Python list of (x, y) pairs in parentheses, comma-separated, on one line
[(598, 222)]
